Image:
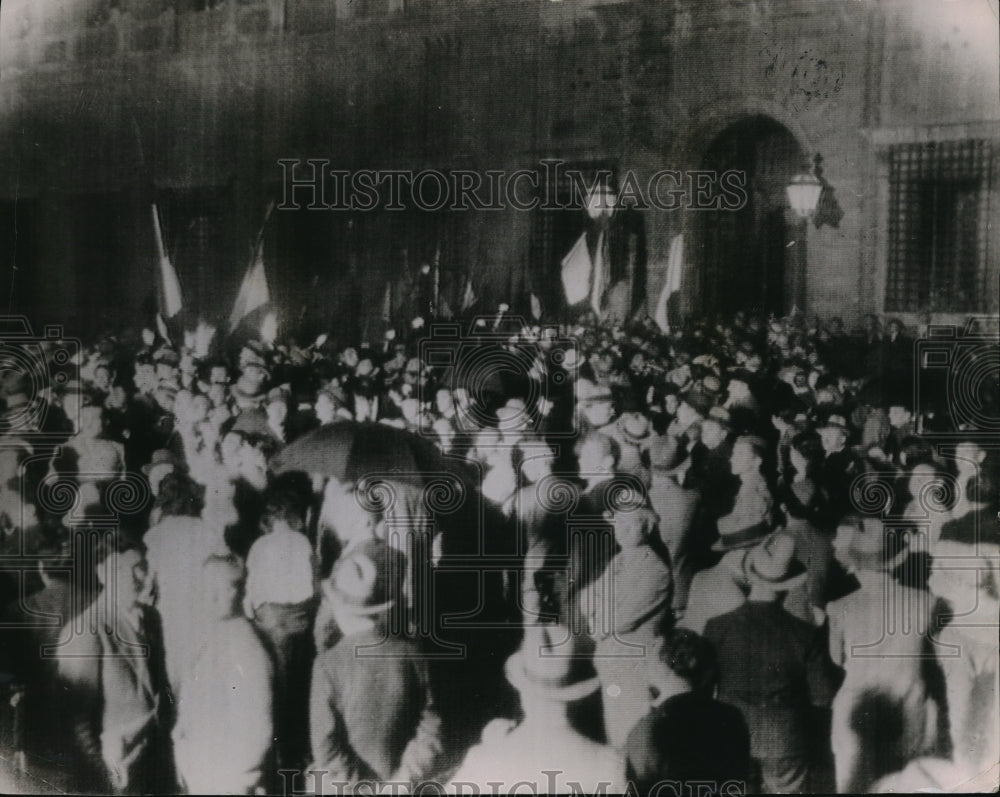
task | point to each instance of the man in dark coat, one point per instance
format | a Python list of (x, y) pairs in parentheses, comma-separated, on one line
[(773, 667), (372, 716), (687, 735)]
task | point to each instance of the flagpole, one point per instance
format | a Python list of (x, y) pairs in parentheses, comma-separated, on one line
[(437, 281)]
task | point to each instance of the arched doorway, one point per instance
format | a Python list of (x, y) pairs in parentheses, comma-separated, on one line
[(753, 258)]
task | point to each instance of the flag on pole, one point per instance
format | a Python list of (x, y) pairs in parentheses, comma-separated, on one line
[(170, 299), (675, 268), (597, 281), (387, 303), (576, 268), (536, 307), (469, 297), (254, 291)]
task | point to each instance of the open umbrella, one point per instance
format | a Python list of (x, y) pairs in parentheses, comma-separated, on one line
[(353, 450)]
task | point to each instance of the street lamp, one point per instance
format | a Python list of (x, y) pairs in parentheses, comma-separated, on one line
[(804, 191)]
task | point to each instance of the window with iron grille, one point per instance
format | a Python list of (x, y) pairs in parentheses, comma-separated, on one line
[(938, 238)]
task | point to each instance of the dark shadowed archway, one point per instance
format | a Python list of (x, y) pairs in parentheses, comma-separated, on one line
[(752, 258)]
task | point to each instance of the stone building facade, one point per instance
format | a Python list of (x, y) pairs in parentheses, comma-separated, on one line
[(109, 105)]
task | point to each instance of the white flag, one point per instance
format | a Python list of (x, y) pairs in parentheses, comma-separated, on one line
[(576, 268), (469, 297), (170, 286), (597, 282), (254, 291), (536, 307), (675, 269)]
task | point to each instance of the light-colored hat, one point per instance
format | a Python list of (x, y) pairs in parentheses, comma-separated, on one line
[(550, 665), (588, 392), (773, 564)]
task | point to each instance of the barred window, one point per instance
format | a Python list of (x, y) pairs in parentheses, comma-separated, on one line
[(938, 213)]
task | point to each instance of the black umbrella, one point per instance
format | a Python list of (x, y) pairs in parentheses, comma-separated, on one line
[(352, 450)]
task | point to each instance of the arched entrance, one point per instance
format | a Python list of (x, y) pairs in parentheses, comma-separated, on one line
[(753, 258)]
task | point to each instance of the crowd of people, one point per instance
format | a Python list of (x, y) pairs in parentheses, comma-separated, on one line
[(746, 553)]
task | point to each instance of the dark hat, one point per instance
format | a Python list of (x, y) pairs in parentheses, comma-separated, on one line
[(166, 356), (550, 665), (742, 538), (835, 422)]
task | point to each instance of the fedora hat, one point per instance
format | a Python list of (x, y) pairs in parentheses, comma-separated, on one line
[(772, 564), (635, 427), (835, 422), (745, 537), (588, 392), (550, 665), (362, 581), (160, 457), (867, 549)]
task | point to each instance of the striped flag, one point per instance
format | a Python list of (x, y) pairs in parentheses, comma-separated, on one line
[(675, 267), (254, 291), (469, 297), (536, 307), (597, 282), (576, 268), (169, 286)]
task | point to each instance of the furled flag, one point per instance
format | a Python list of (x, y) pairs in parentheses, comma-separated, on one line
[(576, 267), (597, 282), (387, 304), (536, 307), (169, 287), (254, 291), (675, 268), (469, 297)]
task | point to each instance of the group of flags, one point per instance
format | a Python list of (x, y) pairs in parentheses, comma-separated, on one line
[(254, 291), (584, 277)]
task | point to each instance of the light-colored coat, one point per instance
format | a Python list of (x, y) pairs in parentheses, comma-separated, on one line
[(538, 758), (224, 725)]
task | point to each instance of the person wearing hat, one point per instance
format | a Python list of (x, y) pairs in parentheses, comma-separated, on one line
[(840, 465), (687, 736), (628, 604), (726, 585), (881, 621), (773, 667), (634, 432), (372, 715), (331, 405), (224, 732), (596, 406), (545, 751), (160, 465)]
